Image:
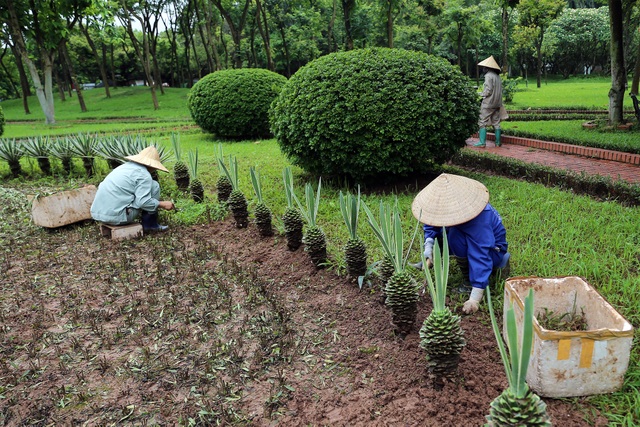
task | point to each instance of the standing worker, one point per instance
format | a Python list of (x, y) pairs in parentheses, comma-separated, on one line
[(491, 109), (477, 238), (129, 191)]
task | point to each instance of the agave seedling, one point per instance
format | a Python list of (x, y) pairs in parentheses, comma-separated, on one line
[(195, 187), (224, 187), (61, 148), (314, 239), (262, 213), (84, 146), (292, 218), (11, 152), (355, 251), (180, 169), (441, 335), (517, 405), (237, 201), (39, 148), (401, 288), (112, 149)]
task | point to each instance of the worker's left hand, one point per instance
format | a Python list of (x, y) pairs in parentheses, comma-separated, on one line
[(471, 306)]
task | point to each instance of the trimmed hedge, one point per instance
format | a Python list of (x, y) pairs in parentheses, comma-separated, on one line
[(373, 114), (1, 121), (234, 104), (600, 187)]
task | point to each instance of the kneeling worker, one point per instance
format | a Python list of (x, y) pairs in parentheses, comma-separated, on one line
[(476, 236), (129, 191)]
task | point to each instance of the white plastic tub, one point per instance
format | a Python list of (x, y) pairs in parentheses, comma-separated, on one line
[(580, 363)]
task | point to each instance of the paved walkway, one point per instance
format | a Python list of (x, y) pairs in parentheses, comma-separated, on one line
[(553, 154)]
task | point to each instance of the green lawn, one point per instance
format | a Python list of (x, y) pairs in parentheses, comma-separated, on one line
[(551, 232)]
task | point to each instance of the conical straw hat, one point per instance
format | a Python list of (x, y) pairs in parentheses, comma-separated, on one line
[(148, 157), (450, 200), (490, 62)]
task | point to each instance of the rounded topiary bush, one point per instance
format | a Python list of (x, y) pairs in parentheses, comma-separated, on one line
[(374, 113), (235, 103)]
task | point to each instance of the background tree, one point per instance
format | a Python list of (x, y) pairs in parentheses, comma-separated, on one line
[(538, 15), (505, 6), (618, 71)]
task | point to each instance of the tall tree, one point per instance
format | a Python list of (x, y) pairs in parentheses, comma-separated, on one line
[(618, 71), (538, 15), (506, 5), (46, 23), (235, 15)]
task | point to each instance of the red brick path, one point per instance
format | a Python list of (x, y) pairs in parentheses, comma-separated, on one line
[(623, 166)]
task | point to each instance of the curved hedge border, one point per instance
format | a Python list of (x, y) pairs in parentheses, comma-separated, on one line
[(627, 148), (597, 186)]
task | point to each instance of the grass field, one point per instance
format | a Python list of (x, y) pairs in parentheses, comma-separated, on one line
[(551, 232)]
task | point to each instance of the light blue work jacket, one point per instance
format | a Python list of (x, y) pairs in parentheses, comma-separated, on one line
[(128, 189)]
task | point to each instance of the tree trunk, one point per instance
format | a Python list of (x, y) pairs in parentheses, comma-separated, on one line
[(286, 50), (539, 61), (618, 74), (264, 32), (389, 23), (74, 80), (206, 41), (60, 84), (4, 68), (332, 46), (505, 38), (235, 29), (347, 8), (101, 64), (24, 80)]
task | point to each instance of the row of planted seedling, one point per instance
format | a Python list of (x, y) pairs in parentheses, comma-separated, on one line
[(441, 334), (85, 146)]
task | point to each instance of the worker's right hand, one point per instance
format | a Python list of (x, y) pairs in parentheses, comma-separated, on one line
[(429, 263), (167, 205)]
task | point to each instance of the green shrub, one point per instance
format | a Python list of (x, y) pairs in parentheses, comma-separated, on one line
[(374, 113), (235, 103), (1, 122)]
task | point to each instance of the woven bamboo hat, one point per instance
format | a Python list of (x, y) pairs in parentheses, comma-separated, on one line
[(148, 157), (450, 200), (490, 62)]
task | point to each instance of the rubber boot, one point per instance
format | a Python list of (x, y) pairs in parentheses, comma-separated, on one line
[(498, 132), (463, 265), (150, 222), (483, 138)]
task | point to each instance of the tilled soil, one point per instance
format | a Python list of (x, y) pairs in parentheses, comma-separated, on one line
[(211, 325)]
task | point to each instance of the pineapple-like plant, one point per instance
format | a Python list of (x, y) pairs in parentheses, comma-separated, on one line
[(385, 270), (224, 187), (61, 149), (441, 335), (11, 152), (195, 187), (292, 218), (262, 213), (113, 149), (517, 405), (180, 169), (237, 202), (314, 239), (84, 146), (401, 289), (39, 148), (355, 251)]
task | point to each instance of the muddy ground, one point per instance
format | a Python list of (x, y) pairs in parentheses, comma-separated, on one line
[(211, 325)]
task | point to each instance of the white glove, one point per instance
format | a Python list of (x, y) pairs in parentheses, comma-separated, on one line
[(473, 304), (428, 248)]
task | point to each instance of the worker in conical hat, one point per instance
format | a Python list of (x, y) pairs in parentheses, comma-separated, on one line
[(477, 238), (490, 109), (129, 191)]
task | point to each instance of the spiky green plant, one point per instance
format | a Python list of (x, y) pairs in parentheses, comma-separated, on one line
[(224, 187), (195, 187), (39, 148), (262, 213), (292, 218), (84, 146), (133, 144), (237, 201), (113, 149), (441, 335), (355, 251), (61, 149), (180, 169), (517, 405), (314, 239), (401, 288), (11, 152)]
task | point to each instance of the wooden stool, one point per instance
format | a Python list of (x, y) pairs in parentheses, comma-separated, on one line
[(121, 232)]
